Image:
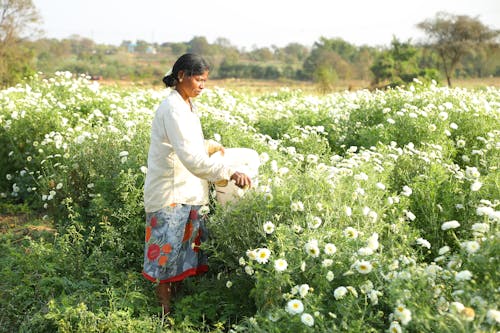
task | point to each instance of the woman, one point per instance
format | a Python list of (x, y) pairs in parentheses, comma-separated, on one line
[(176, 186)]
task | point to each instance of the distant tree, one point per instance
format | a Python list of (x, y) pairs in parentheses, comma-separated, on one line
[(325, 53), (398, 65), (18, 21), (199, 45), (454, 36)]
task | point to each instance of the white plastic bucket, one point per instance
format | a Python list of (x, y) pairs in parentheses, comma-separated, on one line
[(244, 160)]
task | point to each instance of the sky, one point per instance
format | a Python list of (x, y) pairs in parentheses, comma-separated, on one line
[(253, 23)]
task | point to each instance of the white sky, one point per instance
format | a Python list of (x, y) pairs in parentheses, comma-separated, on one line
[(252, 23)]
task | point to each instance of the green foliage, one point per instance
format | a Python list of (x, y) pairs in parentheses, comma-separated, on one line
[(372, 211)]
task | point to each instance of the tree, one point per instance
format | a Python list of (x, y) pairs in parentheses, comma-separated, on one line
[(18, 21), (454, 36)]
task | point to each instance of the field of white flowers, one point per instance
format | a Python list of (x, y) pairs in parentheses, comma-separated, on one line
[(374, 212)]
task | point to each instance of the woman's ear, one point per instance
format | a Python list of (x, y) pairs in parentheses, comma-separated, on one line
[(180, 76)]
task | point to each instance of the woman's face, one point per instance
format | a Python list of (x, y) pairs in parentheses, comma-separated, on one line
[(192, 86)]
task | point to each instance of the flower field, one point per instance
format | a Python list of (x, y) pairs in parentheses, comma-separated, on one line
[(374, 212)]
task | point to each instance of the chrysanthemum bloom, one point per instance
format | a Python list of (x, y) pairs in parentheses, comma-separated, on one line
[(263, 255), (312, 248), (340, 292), (402, 314), (330, 249), (304, 290), (251, 254), (476, 186), (249, 270), (480, 227), (424, 243), (327, 262), (395, 327), (297, 206), (450, 225), (363, 266), (472, 172), (351, 233), (471, 246), (407, 191), (493, 316), (307, 319), (463, 275), (330, 276), (280, 265), (295, 306), (372, 242), (229, 284), (268, 227), (315, 222)]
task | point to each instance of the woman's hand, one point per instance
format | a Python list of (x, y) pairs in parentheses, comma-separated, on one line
[(241, 180)]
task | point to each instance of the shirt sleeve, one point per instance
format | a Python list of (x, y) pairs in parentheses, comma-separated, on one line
[(187, 140)]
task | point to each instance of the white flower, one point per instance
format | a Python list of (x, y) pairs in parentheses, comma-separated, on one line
[(340, 292), (476, 186), (480, 227), (410, 215), (350, 232), (312, 248), (268, 227), (424, 243), (204, 210), (432, 127), (249, 270), (144, 169), (295, 306), (348, 211), (365, 251), (373, 296), (297, 206), (330, 249), (315, 222), (363, 266), (123, 153), (304, 290), (395, 327), (461, 143), (373, 242), (229, 284), (327, 262), (443, 250), (407, 191), (263, 255), (456, 307), (251, 254), (330, 276), (443, 115), (242, 261), (463, 276), (307, 319), (472, 172), (493, 316), (471, 246), (450, 225), (280, 265), (380, 186), (402, 314)]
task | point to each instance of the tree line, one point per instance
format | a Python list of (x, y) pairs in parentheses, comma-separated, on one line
[(455, 46)]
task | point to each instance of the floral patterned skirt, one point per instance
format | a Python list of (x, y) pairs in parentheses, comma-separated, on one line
[(173, 237)]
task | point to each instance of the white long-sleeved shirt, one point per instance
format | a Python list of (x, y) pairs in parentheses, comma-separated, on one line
[(179, 167)]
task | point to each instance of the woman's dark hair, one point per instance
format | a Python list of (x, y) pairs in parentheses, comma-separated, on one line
[(190, 63)]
